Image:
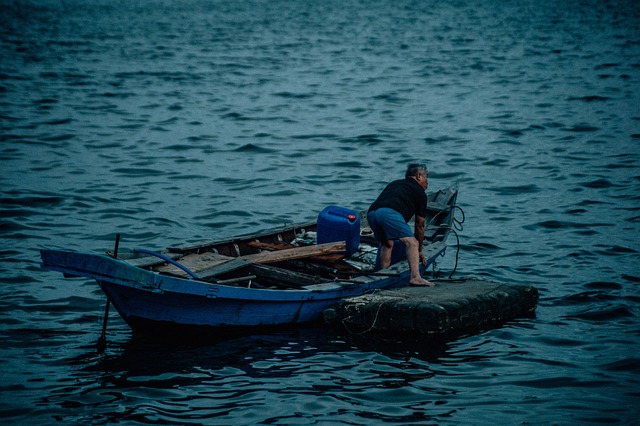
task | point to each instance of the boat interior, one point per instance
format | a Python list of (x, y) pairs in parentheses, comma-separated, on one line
[(290, 257)]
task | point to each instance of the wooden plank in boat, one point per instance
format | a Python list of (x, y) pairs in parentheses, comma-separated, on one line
[(323, 258), (213, 264), (197, 263), (285, 277), (270, 246), (233, 264), (296, 253)]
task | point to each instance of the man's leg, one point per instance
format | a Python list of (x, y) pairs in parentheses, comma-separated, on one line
[(385, 254), (413, 257)]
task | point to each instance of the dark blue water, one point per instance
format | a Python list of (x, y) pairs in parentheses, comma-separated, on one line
[(171, 121)]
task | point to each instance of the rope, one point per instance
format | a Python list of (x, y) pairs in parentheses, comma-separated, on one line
[(373, 324), (457, 226), (457, 253), (377, 315)]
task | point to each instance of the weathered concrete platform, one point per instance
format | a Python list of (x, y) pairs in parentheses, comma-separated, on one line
[(450, 309)]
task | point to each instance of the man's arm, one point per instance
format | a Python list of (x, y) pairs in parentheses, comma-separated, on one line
[(419, 234)]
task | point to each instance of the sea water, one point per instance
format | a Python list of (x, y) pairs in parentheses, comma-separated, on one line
[(174, 121)]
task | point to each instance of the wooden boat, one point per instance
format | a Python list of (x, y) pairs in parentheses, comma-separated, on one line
[(275, 278)]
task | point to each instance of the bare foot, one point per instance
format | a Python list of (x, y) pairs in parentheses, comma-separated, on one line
[(420, 282)]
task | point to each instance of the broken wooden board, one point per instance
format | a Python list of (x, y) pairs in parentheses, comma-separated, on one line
[(197, 263), (208, 265), (331, 258), (294, 253), (450, 309)]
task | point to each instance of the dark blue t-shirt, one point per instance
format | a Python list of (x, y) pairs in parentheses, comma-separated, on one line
[(405, 196)]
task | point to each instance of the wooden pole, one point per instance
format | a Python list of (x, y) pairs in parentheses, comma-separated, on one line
[(102, 340)]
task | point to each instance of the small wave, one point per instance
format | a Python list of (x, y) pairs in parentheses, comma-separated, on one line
[(163, 221), (32, 201), (587, 297), (168, 121), (19, 279), (106, 146), (575, 211), (608, 313), (497, 162), (57, 138), (254, 149), (370, 139), (260, 135), (232, 181), (446, 175), (232, 213), (170, 76), (391, 98), (606, 66), (582, 128), (283, 193), (316, 136), (507, 141), (559, 341), (45, 101), (136, 172), (591, 203), (350, 164), (518, 131), (599, 183), (122, 95), (559, 224), (58, 122), (193, 176), (109, 213), (235, 116), (592, 98), (558, 382), (628, 365), (515, 190), (603, 285), (631, 278), (291, 95), (439, 140), (24, 337), (180, 147), (480, 247), (615, 251)]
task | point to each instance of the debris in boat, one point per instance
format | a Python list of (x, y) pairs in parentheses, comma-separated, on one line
[(450, 309), (211, 264)]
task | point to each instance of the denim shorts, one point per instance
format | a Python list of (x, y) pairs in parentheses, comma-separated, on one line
[(388, 224)]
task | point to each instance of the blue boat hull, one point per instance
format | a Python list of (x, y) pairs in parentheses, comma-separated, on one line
[(145, 297), (140, 308)]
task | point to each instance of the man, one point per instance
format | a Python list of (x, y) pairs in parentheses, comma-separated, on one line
[(393, 209)]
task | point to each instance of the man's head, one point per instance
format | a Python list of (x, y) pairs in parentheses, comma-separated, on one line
[(419, 173)]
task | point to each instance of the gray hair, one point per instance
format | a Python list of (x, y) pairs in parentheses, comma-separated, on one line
[(414, 168)]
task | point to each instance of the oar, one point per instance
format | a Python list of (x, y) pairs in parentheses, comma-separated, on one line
[(102, 340)]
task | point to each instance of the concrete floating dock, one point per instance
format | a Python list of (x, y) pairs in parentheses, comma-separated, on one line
[(452, 308)]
